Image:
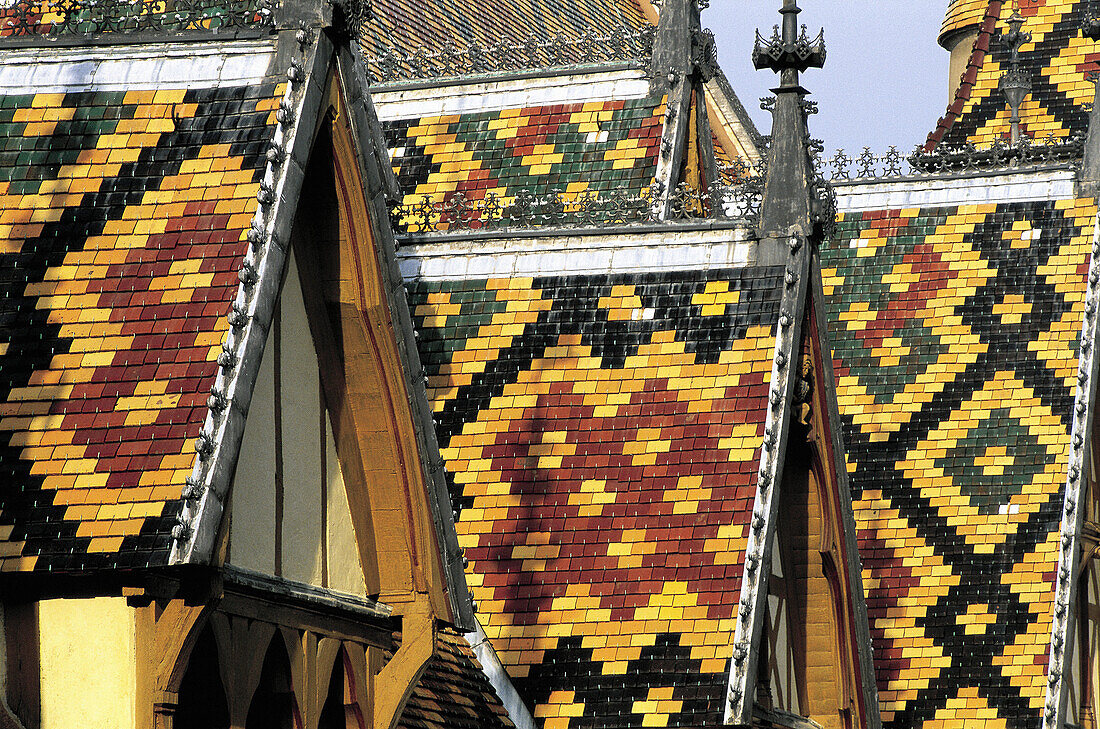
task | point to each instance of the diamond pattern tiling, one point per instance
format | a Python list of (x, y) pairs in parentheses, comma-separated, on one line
[(571, 148), (955, 336), (1057, 61), (602, 434), (122, 224)]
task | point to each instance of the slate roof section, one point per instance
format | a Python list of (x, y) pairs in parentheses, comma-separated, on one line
[(1058, 61), (603, 434), (123, 217), (454, 692), (604, 146), (955, 333)]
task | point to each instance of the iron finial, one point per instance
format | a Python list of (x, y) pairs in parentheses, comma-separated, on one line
[(788, 52), (1015, 83)]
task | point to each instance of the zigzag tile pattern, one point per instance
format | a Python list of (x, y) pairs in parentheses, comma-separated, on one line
[(122, 224), (411, 26), (603, 437), (1057, 61), (571, 148), (955, 333)]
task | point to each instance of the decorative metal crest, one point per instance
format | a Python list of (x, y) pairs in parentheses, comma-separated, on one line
[(704, 53), (1000, 155), (391, 65), (737, 200), (28, 19), (352, 14)]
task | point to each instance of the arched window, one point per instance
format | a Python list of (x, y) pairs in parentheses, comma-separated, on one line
[(273, 705), (202, 703), (341, 710)]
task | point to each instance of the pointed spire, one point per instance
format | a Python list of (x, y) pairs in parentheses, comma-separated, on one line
[(1015, 83), (787, 207), (681, 62)]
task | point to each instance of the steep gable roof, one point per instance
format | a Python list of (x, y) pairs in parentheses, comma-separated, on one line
[(956, 345), (126, 208), (453, 692)]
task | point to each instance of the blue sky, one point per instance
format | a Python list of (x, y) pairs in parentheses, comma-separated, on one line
[(885, 79)]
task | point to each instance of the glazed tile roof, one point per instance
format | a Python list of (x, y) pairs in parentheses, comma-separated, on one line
[(603, 435), (453, 692), (1058, 61), (409, 26), (963, 14), (599, 146), (955, 333), (122, 223)]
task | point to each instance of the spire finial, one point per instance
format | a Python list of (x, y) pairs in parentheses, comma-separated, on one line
[(1015, 84), (787, 52), (788, 203)]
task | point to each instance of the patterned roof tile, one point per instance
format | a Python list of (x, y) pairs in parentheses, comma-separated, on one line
[(410, 26), (603, 435), (962, 14), (955, 336), (1058, 60), (123, 225), (572, 148)]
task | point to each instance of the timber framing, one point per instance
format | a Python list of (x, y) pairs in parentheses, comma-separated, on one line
[(313, 56)]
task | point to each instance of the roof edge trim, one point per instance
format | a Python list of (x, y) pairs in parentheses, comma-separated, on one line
[(1059, 668), (499, 679), (218, 445), (752, 607)]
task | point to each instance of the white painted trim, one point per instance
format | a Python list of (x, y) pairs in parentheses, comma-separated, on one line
[(934, 192), (122, 68), (498, 676), (578, 255), (510, 94)]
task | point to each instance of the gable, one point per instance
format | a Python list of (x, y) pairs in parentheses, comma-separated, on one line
[(289, 514), (605, 455), (956, 333), (122, 231)]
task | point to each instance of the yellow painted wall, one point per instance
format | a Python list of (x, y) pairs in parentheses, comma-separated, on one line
[(345, 570), (88, 663)]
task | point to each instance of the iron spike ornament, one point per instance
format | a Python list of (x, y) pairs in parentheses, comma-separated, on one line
[(1015, 83)]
